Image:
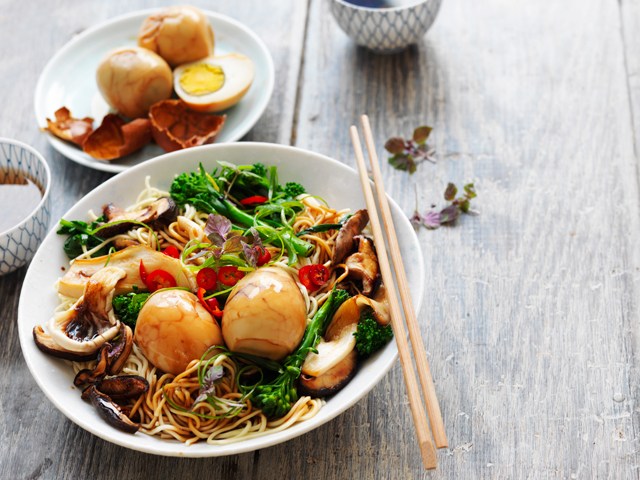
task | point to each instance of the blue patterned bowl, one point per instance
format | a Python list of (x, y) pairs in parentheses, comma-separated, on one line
[(19, 244), (385, 30)]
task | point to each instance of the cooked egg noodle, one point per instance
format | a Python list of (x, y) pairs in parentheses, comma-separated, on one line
[(167, 409)]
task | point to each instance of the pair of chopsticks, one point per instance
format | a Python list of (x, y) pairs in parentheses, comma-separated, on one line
[(429, 458)]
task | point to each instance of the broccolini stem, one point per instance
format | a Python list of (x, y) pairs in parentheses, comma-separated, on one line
[(235, 214)]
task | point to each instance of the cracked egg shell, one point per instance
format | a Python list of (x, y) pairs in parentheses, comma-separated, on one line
[(115, 139), (178, 34), (173, 329), (131, 79), (68, 128), (265, 314), (214, 84), (174, 127)]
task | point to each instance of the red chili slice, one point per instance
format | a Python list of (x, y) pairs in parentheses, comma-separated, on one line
[(303, 274), (172, 252), (313, 276), (159, 279), (319, 275), (253, 200), (263, 256), (229, 275), (207, 278), (143, 272), (211, 304)]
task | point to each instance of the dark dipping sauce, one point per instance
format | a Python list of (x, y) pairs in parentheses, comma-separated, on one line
[(19, 197), (382, 3)]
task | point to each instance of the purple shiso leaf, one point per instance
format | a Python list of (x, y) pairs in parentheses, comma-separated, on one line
[(431, 219), (449, 214), (200, 398), (421, 134), (450, 192), (395, 145), (214, 376), (217, 229), (234, 244), (257, 241), (249, 254)]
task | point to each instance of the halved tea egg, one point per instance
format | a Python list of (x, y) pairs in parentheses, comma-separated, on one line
[(213, 84)]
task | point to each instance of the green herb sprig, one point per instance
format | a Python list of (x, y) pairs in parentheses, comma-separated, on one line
[(434, 219), (407, 153)]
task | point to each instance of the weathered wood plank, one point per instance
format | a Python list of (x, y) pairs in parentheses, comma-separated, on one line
[(37, 440), (530, 313), (531, 308), (630, 16)]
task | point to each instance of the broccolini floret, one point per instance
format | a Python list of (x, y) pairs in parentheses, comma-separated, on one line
[(293, 189), (371, 336), (259, 169), (127, 307)]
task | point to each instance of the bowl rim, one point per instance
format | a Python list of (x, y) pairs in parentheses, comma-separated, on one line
[(45, 195), (382, 10)]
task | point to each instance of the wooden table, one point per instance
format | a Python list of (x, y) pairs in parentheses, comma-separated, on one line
[(530, 317)]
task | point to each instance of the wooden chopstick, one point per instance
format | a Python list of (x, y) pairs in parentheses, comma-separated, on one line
[(429, 458), (428, 390)]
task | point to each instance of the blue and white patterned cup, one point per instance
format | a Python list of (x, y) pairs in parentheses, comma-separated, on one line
[(385, 30), (19, 244)]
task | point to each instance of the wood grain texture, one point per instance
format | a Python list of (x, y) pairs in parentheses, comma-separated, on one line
[(531, 309), (530, 312)]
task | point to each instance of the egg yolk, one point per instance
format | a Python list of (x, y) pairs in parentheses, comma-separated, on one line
[(202, 79)]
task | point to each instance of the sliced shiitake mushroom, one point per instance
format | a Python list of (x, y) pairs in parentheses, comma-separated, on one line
[(378, 303), (125, 386), (112, 413), (122, 243), (163, 211), (120, 350), (338, 341), (331, 381), (91, 322), (46, 344), (363, 265), (90, 377), (344, 241), (72, 284)]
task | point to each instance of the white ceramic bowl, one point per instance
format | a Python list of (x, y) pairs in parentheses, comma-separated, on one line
[(69, 80), (385, 30), (19, 244), (338, 184)]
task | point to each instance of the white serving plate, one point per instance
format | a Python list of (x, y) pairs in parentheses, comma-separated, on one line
[(69, 80), (338, 184)]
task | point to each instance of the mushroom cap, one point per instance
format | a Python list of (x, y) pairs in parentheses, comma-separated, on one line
[(265, 314), (173, 329), (91, 322)]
